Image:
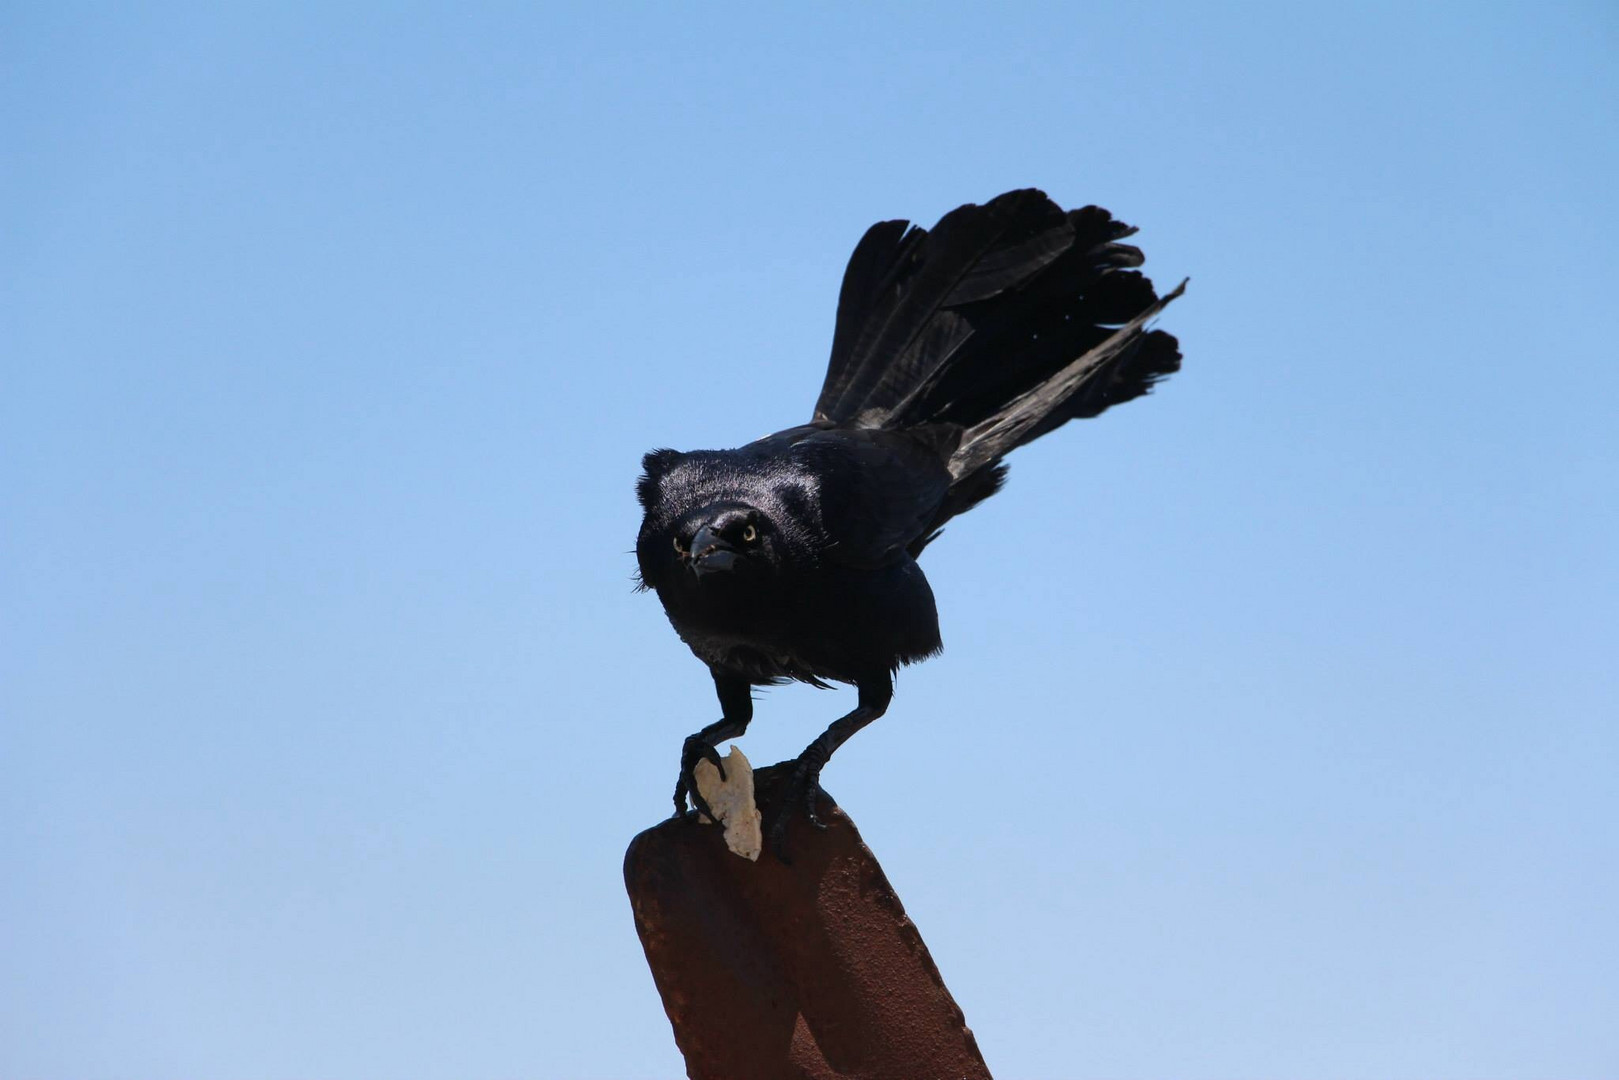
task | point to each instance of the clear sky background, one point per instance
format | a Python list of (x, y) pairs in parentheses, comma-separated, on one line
[(1275, 734)]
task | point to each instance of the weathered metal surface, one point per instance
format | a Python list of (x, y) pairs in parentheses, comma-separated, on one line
[(803, 972)]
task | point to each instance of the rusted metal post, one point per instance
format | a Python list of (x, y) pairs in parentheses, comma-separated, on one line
[(803, 972)]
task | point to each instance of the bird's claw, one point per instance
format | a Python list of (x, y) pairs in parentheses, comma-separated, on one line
[(801, 790), (696, 749)]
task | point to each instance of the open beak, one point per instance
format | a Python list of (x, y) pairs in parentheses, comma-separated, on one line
[(709, 553)]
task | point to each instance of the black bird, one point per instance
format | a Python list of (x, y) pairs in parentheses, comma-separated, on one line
[(794, 557)]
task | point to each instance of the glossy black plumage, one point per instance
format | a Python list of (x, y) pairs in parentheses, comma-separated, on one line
[(952, 347)]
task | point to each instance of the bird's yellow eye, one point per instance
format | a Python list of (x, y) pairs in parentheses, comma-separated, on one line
[(749, 535), (678, 547)]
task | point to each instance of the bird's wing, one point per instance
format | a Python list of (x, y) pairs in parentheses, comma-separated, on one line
[(879, 490)]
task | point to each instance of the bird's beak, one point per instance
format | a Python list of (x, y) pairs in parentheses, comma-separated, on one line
[(709, 553)]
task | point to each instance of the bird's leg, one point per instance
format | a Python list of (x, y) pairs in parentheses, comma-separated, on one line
[(804, 783), (736, 705)]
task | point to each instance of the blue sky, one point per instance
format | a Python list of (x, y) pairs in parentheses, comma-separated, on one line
[(332, 337)]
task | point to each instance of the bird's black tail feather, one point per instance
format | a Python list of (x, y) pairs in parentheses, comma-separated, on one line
[(1006, 320)]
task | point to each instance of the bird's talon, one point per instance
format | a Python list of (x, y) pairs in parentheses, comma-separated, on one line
[(701, 805), (695, 750), (778, 841), (812, 788), (800, 793)]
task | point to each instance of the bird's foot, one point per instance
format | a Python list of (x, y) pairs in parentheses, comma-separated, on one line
[(696, 749), (800, 791)]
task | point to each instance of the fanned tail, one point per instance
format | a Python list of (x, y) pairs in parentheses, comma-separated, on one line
[(1006, 321), (1122, 366)]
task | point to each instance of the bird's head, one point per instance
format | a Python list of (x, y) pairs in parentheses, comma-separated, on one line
[(708, 532), (720, 548), (729, 539)]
